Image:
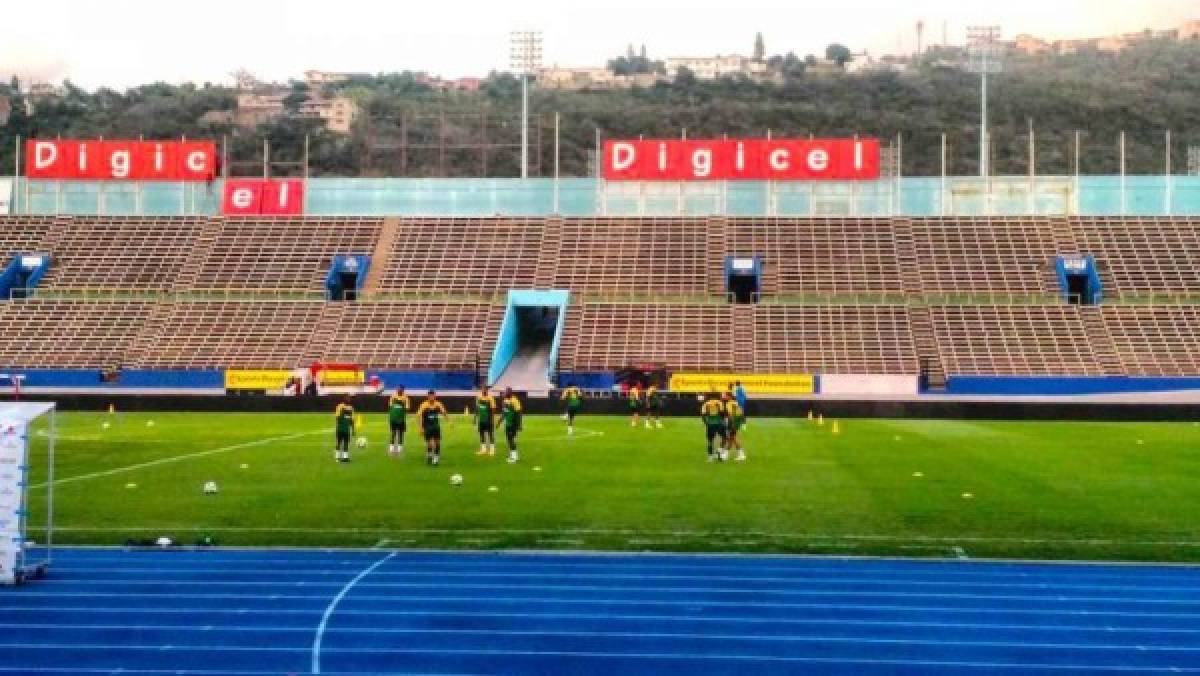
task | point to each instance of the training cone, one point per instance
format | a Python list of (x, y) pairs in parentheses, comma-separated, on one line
[(820, 419), (836, 429), (112, 408), (810, 415)]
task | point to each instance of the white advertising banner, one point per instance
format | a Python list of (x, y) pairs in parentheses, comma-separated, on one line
[(13, 448), (6, 195)]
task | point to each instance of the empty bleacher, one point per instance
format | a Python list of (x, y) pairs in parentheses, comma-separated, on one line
[(986, 255), (622, 256), (833, 339), (69, 334), (22, 234), (463, 255), (131, 254), (233, 334), (451, 336), (608, 336), (289, 255), (1142, 256), (820, 256), (1030, 340), (1161, 340)]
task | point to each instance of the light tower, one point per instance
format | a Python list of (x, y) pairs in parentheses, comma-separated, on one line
[(526, 59), (981, 43)]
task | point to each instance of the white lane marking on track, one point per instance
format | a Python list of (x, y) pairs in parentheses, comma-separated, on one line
[(316, 646), (178, 458)]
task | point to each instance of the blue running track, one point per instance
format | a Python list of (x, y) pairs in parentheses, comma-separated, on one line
[(355, 612)]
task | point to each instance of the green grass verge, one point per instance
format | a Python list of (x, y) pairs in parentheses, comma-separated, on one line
[(1078, 490)]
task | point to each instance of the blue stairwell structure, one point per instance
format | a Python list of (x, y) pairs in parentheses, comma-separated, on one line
[(1078, 275), (22, 275), (507, 343), (344, 265)]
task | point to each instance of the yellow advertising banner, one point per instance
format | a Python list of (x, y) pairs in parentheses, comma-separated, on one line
[(339, 377), (760, 383), (256, 380)]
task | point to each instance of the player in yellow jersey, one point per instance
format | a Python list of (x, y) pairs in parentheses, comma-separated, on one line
[(574, 398), (398, 407), (635, 404), (735, 419), (343, 416), (511, 412), (430, 415), (712, 413), (485, 421)]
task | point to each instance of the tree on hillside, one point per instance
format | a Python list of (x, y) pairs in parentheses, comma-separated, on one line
[(838, 53)]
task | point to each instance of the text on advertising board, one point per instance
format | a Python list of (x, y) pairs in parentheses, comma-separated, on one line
[(742, 159), (121, 160)]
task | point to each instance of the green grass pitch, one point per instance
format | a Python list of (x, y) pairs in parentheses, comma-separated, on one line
[(1078, 490)]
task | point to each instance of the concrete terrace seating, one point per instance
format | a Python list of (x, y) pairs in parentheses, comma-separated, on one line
[(120, 253), (1161, 340), (608, 336), (822, 255), (1143, 255), (282, 254), (69, 334), (986, 255), (1033, 340), (415, 336), (463, 255), (20, 234), (232, 334), (636, 255), (834, 339)]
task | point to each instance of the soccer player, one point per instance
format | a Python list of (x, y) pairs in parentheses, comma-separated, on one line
[(485, 421), (653, 407), (397, 421), (739, 394), (343, 416), (511, 412), (574, 398), (635, 404), (735, 419), (712, 412), (430, 414)]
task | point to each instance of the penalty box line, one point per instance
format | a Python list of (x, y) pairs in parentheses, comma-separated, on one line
[(178, 458)]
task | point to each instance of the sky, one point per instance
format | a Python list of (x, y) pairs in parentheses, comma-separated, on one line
[(120, 43)]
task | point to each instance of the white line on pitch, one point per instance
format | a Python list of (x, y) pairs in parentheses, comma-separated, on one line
[(316, 646), (177, 458)]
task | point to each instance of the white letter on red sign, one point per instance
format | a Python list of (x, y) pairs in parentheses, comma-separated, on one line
[(242, 198), (624, 155), (45, 154), (858, 158), (197, 161), (702, 162), (778, 159), (158, 158), (662, 157), (283, 195), (818, 159), (82, 165), (740, 160), (119, 161)]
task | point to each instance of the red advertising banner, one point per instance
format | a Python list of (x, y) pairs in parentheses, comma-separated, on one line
[(121, 160), (263, 197), (742, 159)]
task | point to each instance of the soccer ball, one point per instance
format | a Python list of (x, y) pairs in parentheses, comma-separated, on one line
[(210, 488), (456, 480), (362, 442)]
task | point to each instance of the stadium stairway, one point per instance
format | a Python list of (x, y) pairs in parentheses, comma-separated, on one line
[(332, 317), (906, 260), (202, 248), (527, 371), (925, 341), (548, 254), (381, 257), (1102, 341), (743, 327)]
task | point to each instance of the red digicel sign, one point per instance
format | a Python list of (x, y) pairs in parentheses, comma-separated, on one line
[(263, 197), (742, 159), (121, 160)]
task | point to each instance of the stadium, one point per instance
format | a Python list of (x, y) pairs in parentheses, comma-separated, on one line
[(731, 402)]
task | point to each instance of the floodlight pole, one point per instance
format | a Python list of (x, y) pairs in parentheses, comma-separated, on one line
[(524, 126), (983, 39), (526, 58)]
